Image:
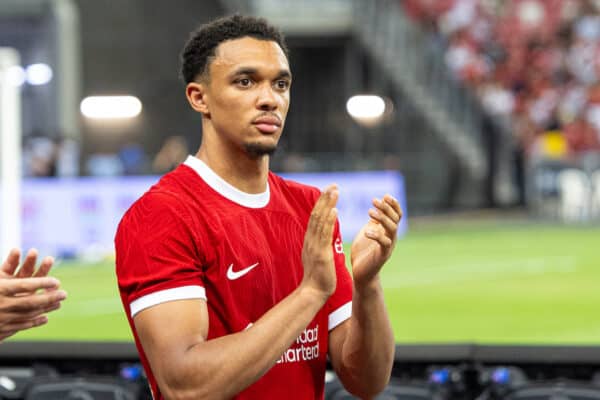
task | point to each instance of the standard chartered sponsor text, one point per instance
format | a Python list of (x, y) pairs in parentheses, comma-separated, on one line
[(305, 348)]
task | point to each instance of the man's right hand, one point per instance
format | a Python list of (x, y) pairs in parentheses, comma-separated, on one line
[(26, 294), (317, 253)]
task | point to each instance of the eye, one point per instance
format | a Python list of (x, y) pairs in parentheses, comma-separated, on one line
[(243, 82), (282, 84)]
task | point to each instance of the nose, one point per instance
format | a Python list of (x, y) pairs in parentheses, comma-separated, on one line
[(267, 100)]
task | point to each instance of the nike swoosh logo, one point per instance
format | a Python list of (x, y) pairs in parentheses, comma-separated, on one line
[(233, 275)]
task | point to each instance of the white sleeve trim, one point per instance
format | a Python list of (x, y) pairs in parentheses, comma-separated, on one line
[(163, 296), (340, 315)]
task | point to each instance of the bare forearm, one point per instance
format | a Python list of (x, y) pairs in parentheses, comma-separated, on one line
[(222, 367), (368, 349), (188, 366)]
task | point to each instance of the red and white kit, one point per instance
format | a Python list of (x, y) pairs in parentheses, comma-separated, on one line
[(194, 236)]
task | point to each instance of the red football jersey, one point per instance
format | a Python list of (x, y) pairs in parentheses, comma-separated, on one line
[(193, 235)]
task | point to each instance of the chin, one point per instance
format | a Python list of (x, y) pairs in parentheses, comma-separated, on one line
[(256, 149)]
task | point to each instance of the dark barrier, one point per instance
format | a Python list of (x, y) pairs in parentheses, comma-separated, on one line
[(82, 388), (111, 371), (71, 371)]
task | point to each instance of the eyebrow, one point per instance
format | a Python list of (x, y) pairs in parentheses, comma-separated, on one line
[(284, 73)]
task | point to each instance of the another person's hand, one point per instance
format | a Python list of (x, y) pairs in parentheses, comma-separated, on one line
[(317, 254), (26, 294), (374, 243)]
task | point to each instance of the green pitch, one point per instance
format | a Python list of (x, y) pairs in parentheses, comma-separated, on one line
[(485, 283)]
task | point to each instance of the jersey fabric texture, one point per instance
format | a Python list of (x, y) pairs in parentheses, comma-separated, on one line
[(194, 236)]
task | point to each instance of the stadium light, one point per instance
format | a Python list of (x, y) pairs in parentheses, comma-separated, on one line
[(367, 110), (38, 74), (111, 107)]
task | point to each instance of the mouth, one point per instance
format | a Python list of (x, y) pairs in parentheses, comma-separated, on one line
[(267, 124)]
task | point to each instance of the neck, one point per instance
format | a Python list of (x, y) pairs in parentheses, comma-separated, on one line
[(243, 172)]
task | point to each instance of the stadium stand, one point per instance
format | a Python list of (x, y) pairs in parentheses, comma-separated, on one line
[(533, 65)]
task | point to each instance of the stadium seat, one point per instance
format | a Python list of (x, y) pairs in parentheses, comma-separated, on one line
[(15, 380), (511, 383), (555, 391), (575, 192), (76, 388), (500, 380), (396, 390)]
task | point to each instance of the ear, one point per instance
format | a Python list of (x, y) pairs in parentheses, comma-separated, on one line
[(196, 96)]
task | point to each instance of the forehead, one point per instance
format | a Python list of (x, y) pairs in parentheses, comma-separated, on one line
[(249, 52)]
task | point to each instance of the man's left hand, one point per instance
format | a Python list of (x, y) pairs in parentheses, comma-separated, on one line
[(374, 243)]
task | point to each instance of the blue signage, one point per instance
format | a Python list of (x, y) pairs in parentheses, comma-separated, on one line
[(78, 217)]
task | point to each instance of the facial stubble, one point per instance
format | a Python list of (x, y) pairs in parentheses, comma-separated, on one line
[(257, 150)]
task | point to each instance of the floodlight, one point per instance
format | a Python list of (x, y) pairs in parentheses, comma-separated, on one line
[(111, 107), (38, 74), (368, 110)]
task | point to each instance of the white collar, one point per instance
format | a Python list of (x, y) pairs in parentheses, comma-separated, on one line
[(225, 189)]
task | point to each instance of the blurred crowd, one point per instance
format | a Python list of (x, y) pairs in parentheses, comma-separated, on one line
[(535, 66), (44, 156), (48, 157)]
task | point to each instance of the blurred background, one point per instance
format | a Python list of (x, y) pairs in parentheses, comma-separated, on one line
[(482, 116)]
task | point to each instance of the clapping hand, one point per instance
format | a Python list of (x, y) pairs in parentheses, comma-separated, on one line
[(374, 243), (26, 294)]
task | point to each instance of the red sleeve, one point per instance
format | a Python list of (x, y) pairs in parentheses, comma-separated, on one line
[(340, 303), (157, 259)]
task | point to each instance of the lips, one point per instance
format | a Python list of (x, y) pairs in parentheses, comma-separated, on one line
[(267, 124)]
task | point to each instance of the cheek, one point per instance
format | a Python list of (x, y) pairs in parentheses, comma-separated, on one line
[(227, 105), (224, 99), (284, 102)]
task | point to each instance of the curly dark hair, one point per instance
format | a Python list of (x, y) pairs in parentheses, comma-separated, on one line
[(200, 48)]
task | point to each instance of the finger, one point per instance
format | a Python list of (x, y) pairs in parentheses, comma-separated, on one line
[(317, 214), (45, 266), (329, 199), (391, 200), (27, 285), (330, 216), (12, 262), (28, 265), (379, 236), (14, 327), (17, 317), (30, 305), (386, 208), (47, 300), (6, 335), (52, 306), (328, 227), (390, 226)]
